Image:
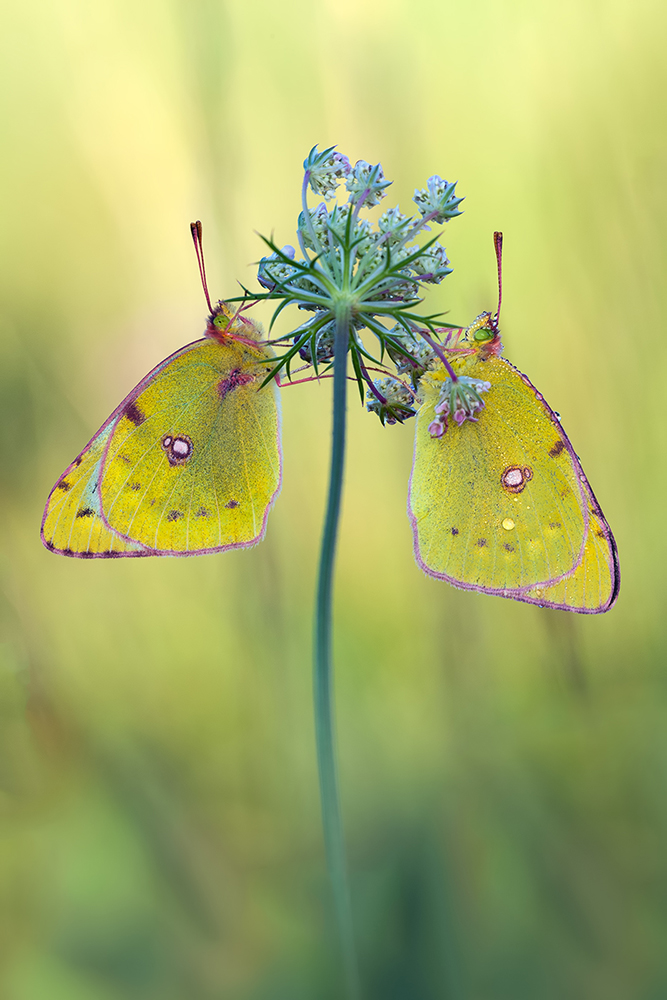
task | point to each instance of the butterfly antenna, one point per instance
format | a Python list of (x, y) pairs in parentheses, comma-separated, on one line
[(195, 229), (498, 244), (242, 306)]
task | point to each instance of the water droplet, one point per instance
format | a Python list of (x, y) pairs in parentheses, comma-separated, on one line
[(508, 524)]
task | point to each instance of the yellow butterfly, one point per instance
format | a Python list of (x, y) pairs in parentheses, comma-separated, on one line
[(498, 500), (188, 463)]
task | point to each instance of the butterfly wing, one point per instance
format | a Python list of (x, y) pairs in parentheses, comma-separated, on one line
[(499, 505), (593, 586), (192, 463), (72, 524)]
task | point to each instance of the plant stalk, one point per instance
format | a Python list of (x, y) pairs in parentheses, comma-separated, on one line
[(334, 843)]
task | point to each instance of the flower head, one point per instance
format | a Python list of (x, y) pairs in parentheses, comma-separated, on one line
[(412, 355), (324, 171), (323, 342), (275, 268), (437, 200), (391, 399), (356, 279), (313, 227), (394, 225), (366, 184), (433, 264)]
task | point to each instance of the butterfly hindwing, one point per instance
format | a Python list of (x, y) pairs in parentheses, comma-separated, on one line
[(593, 586), (498, 504), (192, 465)]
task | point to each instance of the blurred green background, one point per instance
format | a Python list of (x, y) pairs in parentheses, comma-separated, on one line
[(503, 767)]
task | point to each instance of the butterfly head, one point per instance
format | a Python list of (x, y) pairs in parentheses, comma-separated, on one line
[(483, 335), (225, 324)]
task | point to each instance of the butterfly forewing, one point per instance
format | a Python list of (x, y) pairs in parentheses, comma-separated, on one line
[(72, 523), (193, 462), (498, 504)]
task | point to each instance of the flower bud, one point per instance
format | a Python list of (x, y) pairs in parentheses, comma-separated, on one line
[(437, 199), (325, 171), (395, 402)]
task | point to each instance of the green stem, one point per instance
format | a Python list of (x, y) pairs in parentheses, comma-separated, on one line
[(322, 679)]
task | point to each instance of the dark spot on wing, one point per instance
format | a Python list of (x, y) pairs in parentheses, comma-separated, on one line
[(134, 414), (77, 461), (86, 555), (67, 552), (124, 458), (508, 547), (85, 512), (135, 486), (174, 515), (49, 544), (481, 542), (555, 524), (232, 504), (455, 531), (557, 448), (233, 381), (599, 532), (64, 485), (202, 512)]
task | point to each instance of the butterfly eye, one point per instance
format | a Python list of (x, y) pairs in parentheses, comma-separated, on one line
[(482, 336)]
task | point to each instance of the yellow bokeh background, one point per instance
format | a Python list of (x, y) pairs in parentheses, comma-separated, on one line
[(503, 767)]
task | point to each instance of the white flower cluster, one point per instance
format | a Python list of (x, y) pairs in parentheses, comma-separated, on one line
[(437, 200), (325, 171), (352, 274)]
